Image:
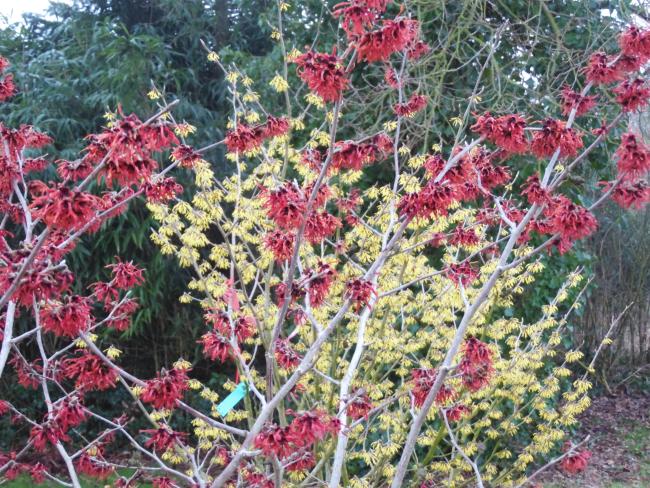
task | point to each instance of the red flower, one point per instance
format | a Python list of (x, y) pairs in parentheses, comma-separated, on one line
[(323, 73), (628, 63), (347, 206), (320, 225), (633, 156), (185, 156), (384, 143), (166, 389), (461, 273), (554, 135), (244, 138), (477, 173), (37, 473), (163, 191), (390, 77), (274, 440), (162, 482), (41, 281), (359, 291), (7, 87), (73, 170), (423, 381), (394, 35), (320, 282), (413, 106), (506, 131), (359, 407), (61, 207), (163, 438), (463, 236), (121, 319), (89, 372), (301, 461), (630, 193), (69, 413), (297, 292), (243, 326), (93, 467), (307, 428), (359, 15), (215, 346), (285, 355), (28, 374), (353, 155), (257, 480), (571, 221), (280, 243), (51, 432), (126, 275), (602, 70), (575, 462), (534, 192), (476, 364), (433, 199), (313, 158), (418, 49), (632, 94), (457, 412), (276, 126), (635, 42), (286, 206), (67, 318), (127, 148)]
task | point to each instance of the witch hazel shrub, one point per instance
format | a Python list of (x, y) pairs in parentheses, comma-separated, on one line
[(364, 320)]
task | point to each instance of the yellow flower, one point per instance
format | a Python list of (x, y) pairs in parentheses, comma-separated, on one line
[(213, 57), (182, 364), (153, 94), (292, 55), (184, 129), (113, 352), (279, 84)]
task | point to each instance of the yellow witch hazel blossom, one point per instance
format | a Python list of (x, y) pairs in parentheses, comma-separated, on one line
[(362, 290)]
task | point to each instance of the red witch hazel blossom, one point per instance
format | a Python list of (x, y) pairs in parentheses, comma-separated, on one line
[(352, 312), (166, 389), (475, 366), (324, 74), (575, 461), (573, 100), (68, 318)]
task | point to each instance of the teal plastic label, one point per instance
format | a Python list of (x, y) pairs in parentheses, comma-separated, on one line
[(232, 400)]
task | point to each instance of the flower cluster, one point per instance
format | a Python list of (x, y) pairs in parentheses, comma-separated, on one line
[(475, 366), (393, 36), (576, 461), (555, 135), (323, 73), (414, 104), (245, 138), (68, 318), (126, 149), (506, 131), (7, 87), (166, 389), (291, 443)]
